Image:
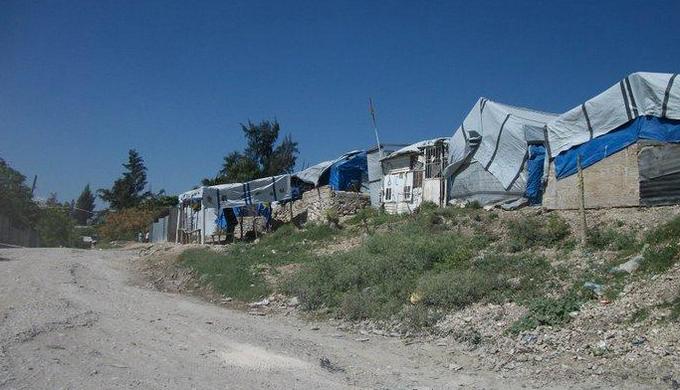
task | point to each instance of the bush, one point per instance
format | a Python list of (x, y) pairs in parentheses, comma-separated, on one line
[(457, 289), (55, 227), (659, 259), (670, 231), (531, 232), (613, 239), (126, 223), (548, 311)]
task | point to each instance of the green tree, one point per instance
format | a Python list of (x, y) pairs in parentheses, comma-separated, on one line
[(128, 190), (54, 223), (55, 226), (16, 199), (84, 207), (261, 158)]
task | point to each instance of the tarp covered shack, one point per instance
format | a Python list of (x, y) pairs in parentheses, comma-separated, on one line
[(200, 209), (626, 139), (488, 153), (345, 173)]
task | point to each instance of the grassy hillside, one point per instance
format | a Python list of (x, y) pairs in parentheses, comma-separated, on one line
[(416, 268)]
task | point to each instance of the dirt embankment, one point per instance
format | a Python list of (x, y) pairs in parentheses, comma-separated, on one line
[(627, 340)]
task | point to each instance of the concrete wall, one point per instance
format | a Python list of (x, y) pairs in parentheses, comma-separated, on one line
[(612, 182), (14, 235)]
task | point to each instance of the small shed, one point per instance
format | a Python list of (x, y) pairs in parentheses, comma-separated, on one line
[(414, 174)]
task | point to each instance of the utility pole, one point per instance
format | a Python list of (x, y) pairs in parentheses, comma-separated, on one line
[(375, 126)]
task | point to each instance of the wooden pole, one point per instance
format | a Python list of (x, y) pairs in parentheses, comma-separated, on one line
[(582, 202), (240, 223)]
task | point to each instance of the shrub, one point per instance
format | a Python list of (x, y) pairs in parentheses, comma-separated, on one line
[(457, 289), (659, 259), (548, 311), (599, 238), (531, 232), (55, 227), (126, 223), (670, 231)]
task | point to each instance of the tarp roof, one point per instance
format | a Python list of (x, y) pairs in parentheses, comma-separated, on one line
[(312, 174), (639, 94), (414, 148), (504, 132)]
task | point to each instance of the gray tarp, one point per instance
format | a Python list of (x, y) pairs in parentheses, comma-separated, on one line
[(654, 94), (474, 183), (414, 148), (503, 130), (268, 189)]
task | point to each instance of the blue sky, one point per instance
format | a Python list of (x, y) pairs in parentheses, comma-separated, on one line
[(81, 82)]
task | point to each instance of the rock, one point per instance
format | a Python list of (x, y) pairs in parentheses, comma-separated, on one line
[(293, 302), (362, 340), (594, 287), (455, 367), (629, 266), (264, 302), (314, 327)]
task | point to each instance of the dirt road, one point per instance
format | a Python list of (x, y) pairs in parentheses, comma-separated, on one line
[(72, 319)]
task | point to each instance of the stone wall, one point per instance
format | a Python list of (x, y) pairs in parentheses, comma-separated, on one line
[(314, 205), (611, 182)]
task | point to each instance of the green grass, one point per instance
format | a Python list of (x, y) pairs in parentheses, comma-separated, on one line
[(533, 231), (235, 273), (231, 276), (548, 311), (612, 239), (426, 257)]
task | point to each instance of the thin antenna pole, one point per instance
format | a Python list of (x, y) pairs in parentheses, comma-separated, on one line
[(35, 179), (375, 126)]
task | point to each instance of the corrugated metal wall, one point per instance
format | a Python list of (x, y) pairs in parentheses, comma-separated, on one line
[(659, 166)]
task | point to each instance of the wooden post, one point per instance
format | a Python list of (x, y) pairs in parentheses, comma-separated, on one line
[(582, 202), (255, 226), (240, 224)]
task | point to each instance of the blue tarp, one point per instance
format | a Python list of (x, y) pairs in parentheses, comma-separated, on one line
[(644, 127), (262, 209), (348, 174), (535, 163)]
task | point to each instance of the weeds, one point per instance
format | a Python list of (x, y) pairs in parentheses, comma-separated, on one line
[(231, 276), (531, 232), (548, 311)]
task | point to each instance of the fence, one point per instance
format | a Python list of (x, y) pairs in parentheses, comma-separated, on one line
[(11, 235), (164, 229)]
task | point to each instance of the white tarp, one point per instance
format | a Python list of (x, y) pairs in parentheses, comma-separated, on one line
[(268, 189), (312, 174), (196, 194), (414, 148), (653, 94), (503, 131)]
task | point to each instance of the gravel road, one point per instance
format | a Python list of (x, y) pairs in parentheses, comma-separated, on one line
[(74, 319)]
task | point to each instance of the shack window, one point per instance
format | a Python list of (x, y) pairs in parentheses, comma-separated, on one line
[(407, 193), (435, 160), (417, 179), (388, 193)]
